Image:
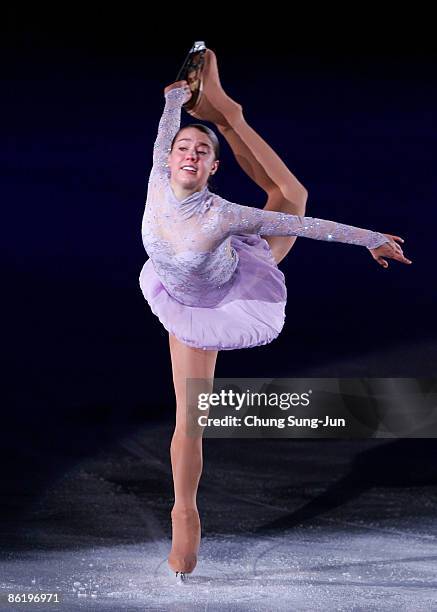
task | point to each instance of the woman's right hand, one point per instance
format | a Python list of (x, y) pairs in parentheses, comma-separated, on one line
[(180, 84)]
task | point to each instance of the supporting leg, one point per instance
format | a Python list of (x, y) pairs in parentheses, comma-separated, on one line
[(186, 456)]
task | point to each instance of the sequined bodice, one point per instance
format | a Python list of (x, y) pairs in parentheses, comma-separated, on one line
[(188, 241), (190, 254)]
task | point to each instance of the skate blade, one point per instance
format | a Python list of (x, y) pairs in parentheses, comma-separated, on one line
[(181, 578)]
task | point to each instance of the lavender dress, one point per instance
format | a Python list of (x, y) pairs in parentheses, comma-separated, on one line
[(210, 277)]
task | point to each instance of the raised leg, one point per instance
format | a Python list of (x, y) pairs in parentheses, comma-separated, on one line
[(186, 455), (284, 192), (263, 165)]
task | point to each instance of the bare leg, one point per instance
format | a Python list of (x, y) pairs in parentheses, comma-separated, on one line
[(284, 192), (186, 456), (260, 162)]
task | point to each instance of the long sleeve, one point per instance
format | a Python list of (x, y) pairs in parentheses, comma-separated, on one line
[(168, 126), (239, 219)]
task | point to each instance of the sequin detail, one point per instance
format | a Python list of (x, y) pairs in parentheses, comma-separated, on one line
[(189, 241)]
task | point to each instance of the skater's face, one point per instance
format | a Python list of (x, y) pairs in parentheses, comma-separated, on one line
[(192, 148)]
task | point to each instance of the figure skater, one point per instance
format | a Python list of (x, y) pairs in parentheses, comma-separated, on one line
[(212, 276)]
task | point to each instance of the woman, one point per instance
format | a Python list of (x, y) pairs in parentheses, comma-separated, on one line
[(212, 277)]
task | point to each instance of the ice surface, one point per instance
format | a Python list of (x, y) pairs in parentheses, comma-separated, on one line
[(287, 525)]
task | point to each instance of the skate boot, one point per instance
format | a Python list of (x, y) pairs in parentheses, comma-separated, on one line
[(186, 533), (191, 71), (208, 101)]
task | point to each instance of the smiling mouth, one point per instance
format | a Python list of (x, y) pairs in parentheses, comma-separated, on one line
[(188, 170)]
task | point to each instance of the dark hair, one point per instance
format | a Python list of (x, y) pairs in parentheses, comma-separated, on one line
[(206, 130)]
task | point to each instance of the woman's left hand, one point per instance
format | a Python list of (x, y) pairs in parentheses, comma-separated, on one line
[(391, 249)]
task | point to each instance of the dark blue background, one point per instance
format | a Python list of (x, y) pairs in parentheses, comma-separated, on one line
[(82, 98)]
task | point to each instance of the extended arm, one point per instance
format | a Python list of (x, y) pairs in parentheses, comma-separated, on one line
[(238, 219), (168, 126)]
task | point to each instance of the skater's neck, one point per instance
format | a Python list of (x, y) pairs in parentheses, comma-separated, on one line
[(181, 192)]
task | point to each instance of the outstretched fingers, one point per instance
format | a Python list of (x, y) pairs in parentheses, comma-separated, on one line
[(391, 250)]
